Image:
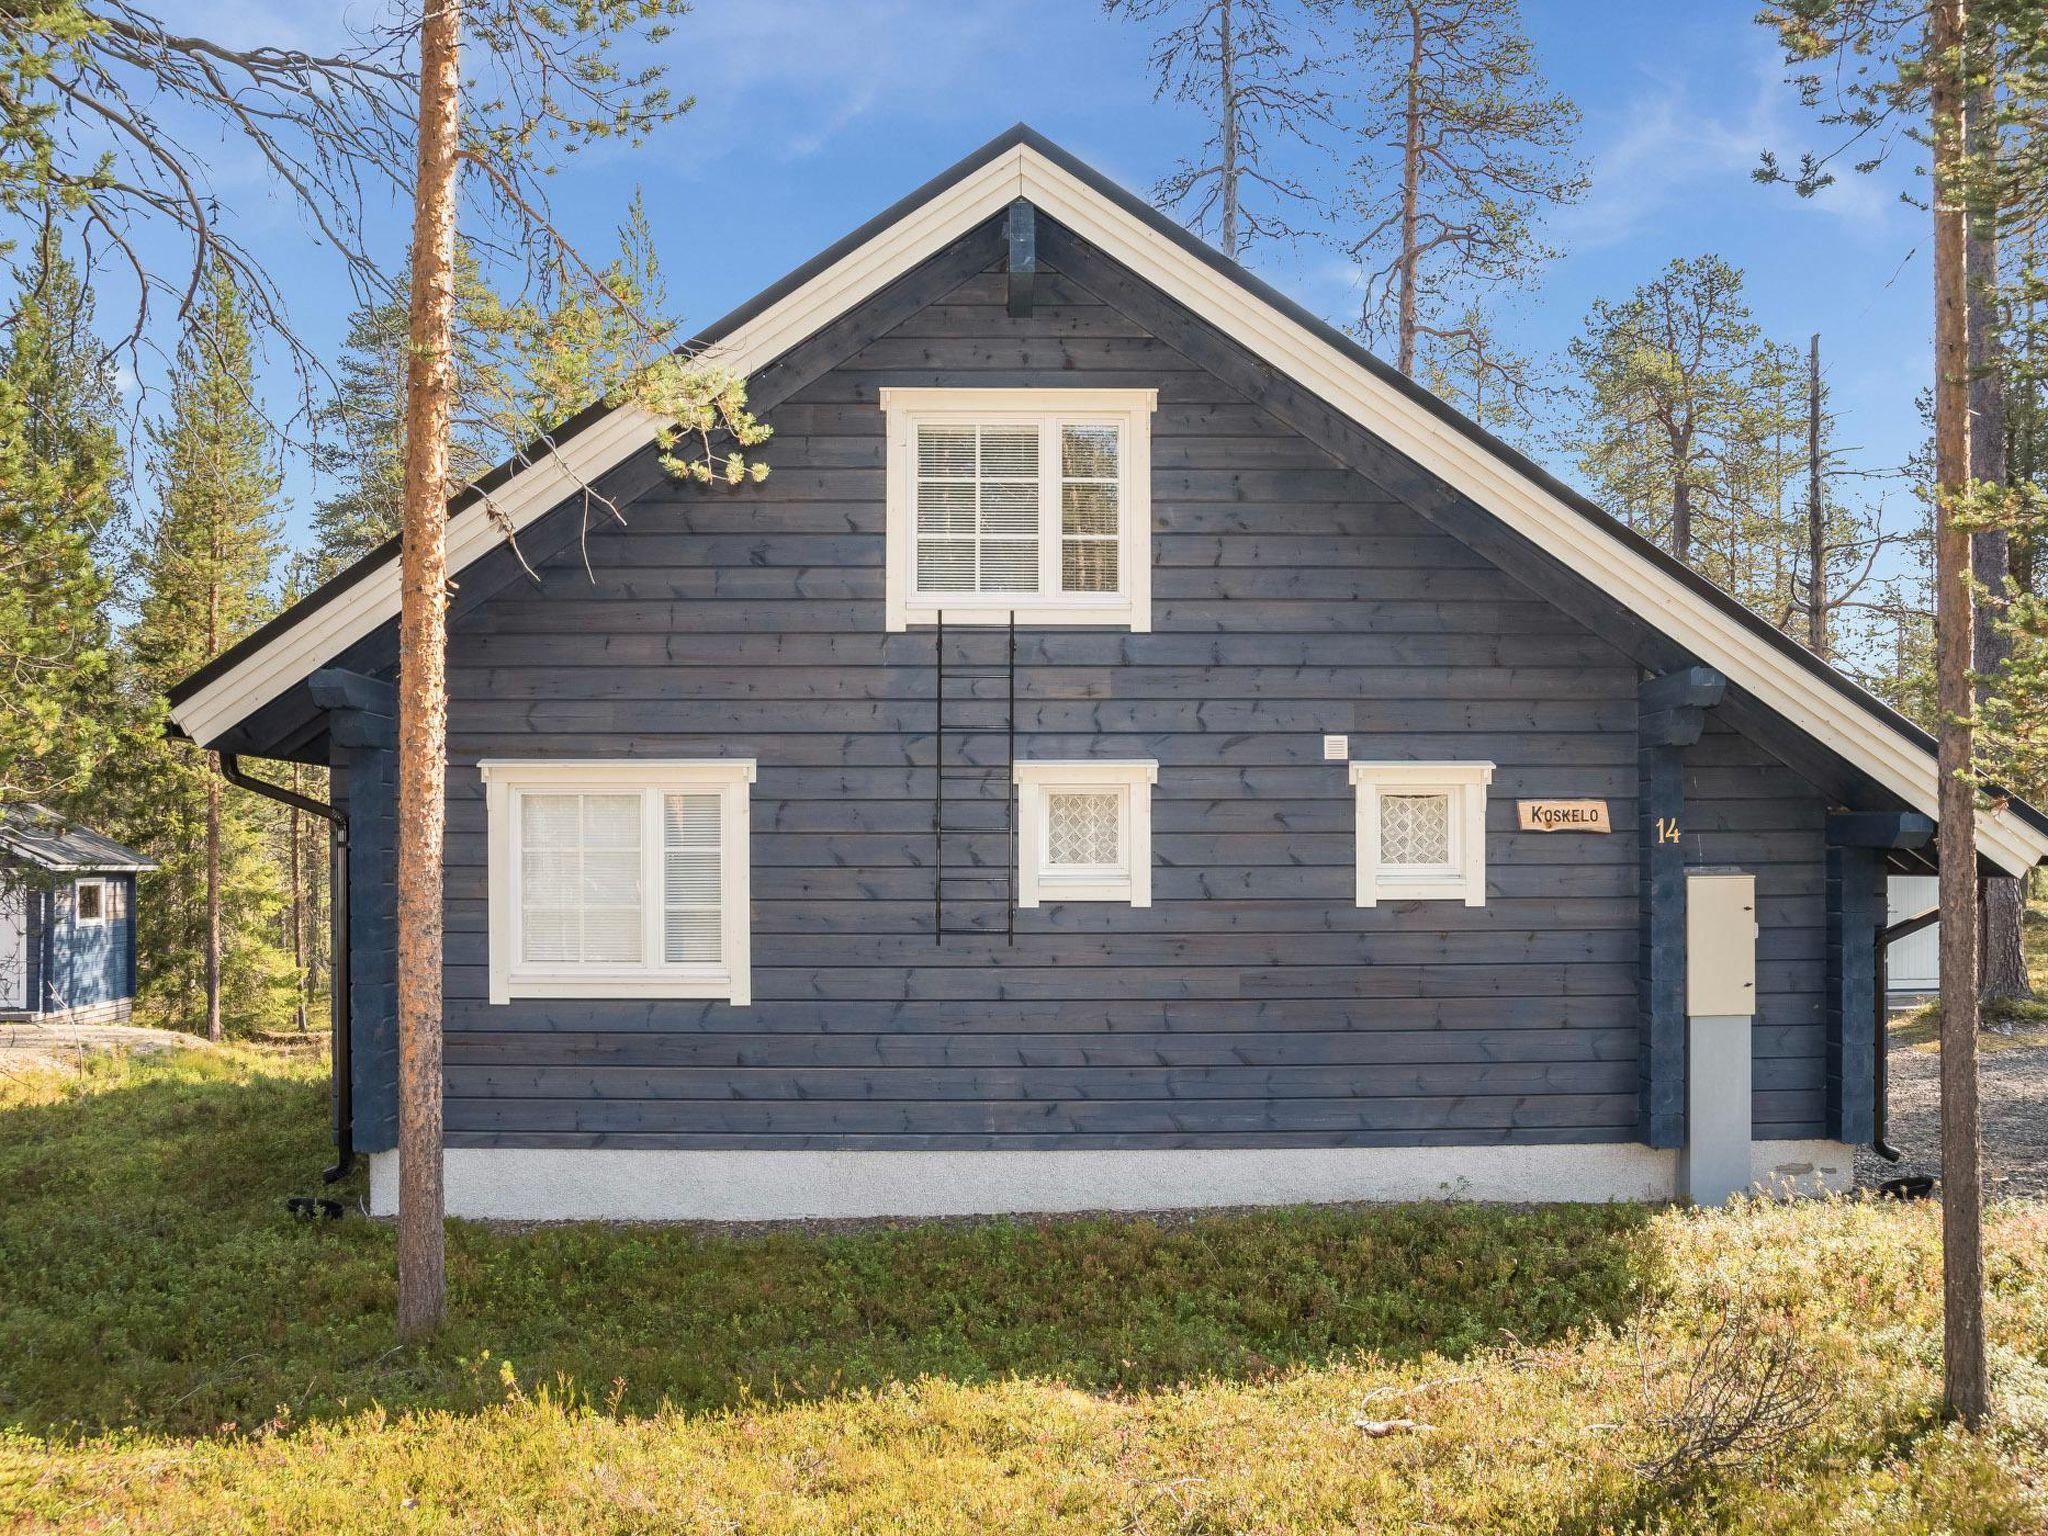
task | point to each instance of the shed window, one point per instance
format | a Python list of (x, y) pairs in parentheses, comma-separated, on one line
[(1027, 502), (89, 901), (1084, 831), (1421, 831), (619, 879)]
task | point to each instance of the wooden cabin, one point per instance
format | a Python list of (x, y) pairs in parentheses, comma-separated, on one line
[(1134, 750), (67, 920)]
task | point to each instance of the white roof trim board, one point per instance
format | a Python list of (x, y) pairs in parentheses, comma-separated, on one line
[(1719, 638)]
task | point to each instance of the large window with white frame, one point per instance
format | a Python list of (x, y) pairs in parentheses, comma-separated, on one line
[(1084, 831), (1032, 502), (619, 878), (1421, 831)]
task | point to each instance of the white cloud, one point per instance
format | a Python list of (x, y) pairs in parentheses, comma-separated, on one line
[(827, 64), (1670, 146)]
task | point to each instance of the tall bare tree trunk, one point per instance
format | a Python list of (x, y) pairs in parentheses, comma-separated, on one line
[(214, 1030), (213, 1023), (1226, 52), (1681, 513), (2004, 960), (1965, 1381), (1816, 518), (1411, 190), (422, 676)]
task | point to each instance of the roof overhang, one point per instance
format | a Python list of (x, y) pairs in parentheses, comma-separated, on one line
[(1707, 622)]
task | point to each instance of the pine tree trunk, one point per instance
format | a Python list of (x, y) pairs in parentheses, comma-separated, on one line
[(1411, 192), (1816, 518), (2004, 961), (1965, 1382), (1681, 515), (422, 677), (1226, 56), (213, 1024)]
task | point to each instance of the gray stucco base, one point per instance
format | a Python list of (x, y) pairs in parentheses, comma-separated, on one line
[(590, 1184)]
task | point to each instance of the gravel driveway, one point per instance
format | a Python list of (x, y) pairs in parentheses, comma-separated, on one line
[(2014, 1081)]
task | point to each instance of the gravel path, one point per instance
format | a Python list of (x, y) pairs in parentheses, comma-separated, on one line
[(2014, 1083)]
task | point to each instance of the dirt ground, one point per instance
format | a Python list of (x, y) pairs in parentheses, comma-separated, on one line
[(2013, 1074), (23, 1046)]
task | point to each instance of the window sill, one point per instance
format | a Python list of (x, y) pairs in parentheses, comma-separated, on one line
[(1121, 614), (1084, 890), (1428, 890), (652, 984)]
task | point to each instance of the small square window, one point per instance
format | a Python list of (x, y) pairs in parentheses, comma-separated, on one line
[(89, 901), (1085, 831), (1421, 831)]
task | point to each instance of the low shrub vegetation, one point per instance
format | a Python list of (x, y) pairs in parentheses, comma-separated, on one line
[(177, 1353)]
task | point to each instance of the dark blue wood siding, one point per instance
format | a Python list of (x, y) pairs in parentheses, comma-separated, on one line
[(1253, 1004), (89, 965)]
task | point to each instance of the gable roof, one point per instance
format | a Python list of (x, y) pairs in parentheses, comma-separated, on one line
[(37, 835), (1677, 601)]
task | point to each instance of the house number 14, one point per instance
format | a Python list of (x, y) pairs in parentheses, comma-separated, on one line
[(1667, 830)]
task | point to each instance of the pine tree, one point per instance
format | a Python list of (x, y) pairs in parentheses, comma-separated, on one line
[(1687, 416), (1463, 149), (361, 429), (1250, 67), (209, 917), (522, 368), (61, 511)]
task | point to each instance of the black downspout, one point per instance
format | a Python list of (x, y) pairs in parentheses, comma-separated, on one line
[(337, 970), (1881, 1110)]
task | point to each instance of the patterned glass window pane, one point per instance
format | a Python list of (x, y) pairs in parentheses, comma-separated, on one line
[(692, 920), (1415, 831), (1081, 829), (579, 879)]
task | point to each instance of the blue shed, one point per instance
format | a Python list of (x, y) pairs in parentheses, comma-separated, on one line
[(67, 919)]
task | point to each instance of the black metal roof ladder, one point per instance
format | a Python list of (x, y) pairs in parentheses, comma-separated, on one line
[(961, 813)]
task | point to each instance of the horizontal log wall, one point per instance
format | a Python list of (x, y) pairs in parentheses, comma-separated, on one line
[(1253, 1003)]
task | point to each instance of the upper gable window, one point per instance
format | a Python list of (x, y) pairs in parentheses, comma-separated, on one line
[(1033, 502)]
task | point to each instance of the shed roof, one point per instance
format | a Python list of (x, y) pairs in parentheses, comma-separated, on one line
[(1820, 701), (39, 836)]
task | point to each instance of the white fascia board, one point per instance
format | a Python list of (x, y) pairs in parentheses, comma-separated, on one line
[(544, 484), (1718, 638)]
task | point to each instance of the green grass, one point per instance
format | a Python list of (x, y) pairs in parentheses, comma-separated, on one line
[(177, 1354)]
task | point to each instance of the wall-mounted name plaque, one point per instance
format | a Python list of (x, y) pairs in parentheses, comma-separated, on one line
[(1564, 816)]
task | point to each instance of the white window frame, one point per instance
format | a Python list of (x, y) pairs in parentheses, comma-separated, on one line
[(1131, 880), (89, 922), (505, 780), (1128, 410), (1464, 877)]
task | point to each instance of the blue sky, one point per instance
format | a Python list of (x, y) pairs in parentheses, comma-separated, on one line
[(814, 114)]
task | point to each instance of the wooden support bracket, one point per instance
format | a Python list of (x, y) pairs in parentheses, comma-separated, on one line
[(1023, 263)]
